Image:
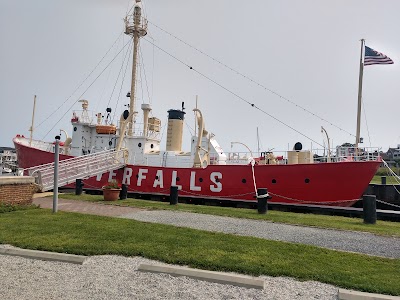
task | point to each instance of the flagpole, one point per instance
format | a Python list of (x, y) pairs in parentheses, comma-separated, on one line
[(360, 81)]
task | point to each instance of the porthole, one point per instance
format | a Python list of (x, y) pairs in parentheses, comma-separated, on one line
[(307, 180), (243, 180), (273, 180)]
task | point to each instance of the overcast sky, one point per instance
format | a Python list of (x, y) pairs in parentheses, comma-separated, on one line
[(305, 51)]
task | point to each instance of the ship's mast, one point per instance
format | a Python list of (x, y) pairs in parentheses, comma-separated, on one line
[(33, 118), (135, 26)]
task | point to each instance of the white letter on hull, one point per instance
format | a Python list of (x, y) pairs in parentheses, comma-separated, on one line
[(193, 186), (112, 174), (141, 176), (126, 179), (173, 181), (98, 178), (159, 179), (217, 187)]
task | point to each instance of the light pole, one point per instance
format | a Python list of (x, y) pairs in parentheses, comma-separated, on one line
[(56, 160)]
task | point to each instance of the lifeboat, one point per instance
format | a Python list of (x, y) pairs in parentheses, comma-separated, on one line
[(106, 129)]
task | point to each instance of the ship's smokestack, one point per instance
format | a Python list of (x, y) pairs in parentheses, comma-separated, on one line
[(175, 129)]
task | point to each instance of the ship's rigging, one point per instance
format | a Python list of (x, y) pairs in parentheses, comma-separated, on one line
[(203, 74)]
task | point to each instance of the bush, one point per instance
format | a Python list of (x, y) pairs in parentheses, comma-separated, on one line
[(4, 208)]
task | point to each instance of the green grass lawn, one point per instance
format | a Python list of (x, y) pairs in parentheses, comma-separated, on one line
[(95, 235), (322, 221), (389, 180)]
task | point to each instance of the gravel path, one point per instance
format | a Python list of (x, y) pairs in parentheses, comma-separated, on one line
[(116, 277), (333, 239)]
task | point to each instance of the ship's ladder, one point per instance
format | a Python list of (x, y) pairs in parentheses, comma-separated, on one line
[(79, 167)]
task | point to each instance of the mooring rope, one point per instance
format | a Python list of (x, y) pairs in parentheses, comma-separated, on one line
[(252, 163), (313, 201)]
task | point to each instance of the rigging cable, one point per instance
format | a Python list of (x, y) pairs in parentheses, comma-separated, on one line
[(189, 127), (128, 10), (164, 128), (122, 81), (101, 95), (119, 74), (233, 93), (86, 89), (140, 78), (144, 72), (252, 80), (152, 72), (79, 85), (366, 123)]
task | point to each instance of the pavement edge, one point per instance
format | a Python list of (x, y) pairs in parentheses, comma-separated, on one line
[(211, 276), (44, 255), (355, 295)]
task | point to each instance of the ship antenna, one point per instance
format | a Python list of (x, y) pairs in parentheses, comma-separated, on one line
[(135, 26)]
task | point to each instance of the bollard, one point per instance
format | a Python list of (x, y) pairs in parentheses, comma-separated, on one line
[(78, 187), (369, 209), (262, 200), (173, 195), (382, 189), (123, 194)]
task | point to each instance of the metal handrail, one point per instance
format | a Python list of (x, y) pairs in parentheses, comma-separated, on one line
[(80, 167)]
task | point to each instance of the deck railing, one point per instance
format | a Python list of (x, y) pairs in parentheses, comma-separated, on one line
[(339, 154)]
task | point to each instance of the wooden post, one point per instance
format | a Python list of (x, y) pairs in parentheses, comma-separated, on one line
[(262, 198), (369, 209), (123, 194), (78, 187), (173, 196)]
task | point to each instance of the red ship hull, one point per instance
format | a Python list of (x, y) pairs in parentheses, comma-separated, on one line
[(338, 183)]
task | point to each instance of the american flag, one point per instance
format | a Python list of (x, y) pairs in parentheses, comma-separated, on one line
[(373, 57)]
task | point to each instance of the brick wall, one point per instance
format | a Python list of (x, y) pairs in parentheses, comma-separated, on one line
[(16, 190)]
